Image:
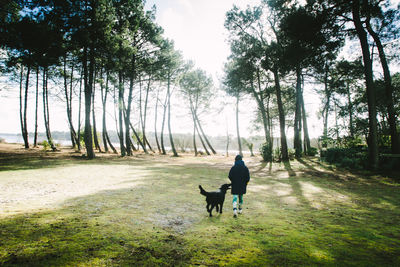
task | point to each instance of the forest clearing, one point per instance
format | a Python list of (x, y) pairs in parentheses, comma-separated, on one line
[(58, 208)]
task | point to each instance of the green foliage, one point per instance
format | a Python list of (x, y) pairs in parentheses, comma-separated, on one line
[(266, 152), (292, 153), (354, 158), (45, 145), (351, 142), (312, 151)]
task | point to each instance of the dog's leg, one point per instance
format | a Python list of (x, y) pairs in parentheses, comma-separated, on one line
[(216, 207), (212, 207), (220, 207), (208, 207)]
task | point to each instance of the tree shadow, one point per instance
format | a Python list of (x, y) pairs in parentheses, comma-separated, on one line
[(289, 169)]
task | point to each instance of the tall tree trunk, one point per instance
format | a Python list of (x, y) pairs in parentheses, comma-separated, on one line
[(21, 108), (297, 115), (95, 137), (307, 143), (171, 139), (395, 142), (201, 139), (373, 133), (79, 110), (155, 124), (261, 107), (68, 96), (106, 138), (26, 137), (36, 108), (237, 126), (145, 116), (88, 81), (129, 106), (73, 132), (163, 123), (325, 112), (196, 128), (120, 113), (46, 111), (204, 135), (284, 148), (350, 110)]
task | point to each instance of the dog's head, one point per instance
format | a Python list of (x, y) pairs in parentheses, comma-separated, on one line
[(225, 187)]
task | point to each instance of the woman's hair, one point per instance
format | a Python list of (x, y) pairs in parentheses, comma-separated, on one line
[(238, 157)]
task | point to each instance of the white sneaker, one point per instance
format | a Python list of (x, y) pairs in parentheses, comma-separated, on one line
[(240, 211), (234, 213)]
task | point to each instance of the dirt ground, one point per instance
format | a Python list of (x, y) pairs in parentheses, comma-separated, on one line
[(34, 186)]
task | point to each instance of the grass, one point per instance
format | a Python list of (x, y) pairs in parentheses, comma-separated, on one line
[(147, 211)]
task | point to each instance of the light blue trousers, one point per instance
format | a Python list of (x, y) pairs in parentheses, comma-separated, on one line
[(235, 201)]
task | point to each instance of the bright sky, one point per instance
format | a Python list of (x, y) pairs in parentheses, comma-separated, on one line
[(197, 28)]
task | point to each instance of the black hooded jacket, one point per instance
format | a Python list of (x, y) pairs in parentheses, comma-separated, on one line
[(239, 176)]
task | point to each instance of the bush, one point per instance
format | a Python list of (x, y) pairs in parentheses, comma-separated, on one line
[(355, 158), (45, 145), (313, 151), (266, 152), (389, 162), (291, 153)]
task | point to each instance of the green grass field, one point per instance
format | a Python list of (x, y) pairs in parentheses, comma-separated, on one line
[(146, 210)]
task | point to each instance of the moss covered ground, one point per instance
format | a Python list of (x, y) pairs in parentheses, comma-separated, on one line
[(59, 209)]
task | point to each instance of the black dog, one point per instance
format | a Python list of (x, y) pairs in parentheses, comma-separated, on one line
[(216, 198)]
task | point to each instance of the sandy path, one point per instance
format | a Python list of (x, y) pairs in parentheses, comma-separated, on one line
[(28, 190)]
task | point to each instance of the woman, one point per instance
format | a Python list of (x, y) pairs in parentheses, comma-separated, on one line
[(239, 176)]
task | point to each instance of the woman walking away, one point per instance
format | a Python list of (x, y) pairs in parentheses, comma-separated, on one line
[(239, 176)]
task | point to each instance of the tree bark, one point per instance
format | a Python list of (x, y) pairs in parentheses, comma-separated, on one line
[(171, 140), (88, 81), (79, 111), (36, 108), (163, 123), (297, 116), (120, 113), (261, 107), (373, 150), (307, 143), (395, 142), (145, 116), (106, 138), (68, 100), (128, 114), (95, 137), (284, 148), (204, 135), (155, 124), (46, 112), (21, 107)]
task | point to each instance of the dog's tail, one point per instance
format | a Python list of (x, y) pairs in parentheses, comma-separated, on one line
[(202, 191)]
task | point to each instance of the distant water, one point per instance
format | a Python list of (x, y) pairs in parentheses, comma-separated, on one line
[(17, 138)]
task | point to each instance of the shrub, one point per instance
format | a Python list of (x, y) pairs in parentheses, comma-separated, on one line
[(291, 153), (355, 158), (266, 152), (313, 151), (45, 145)]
